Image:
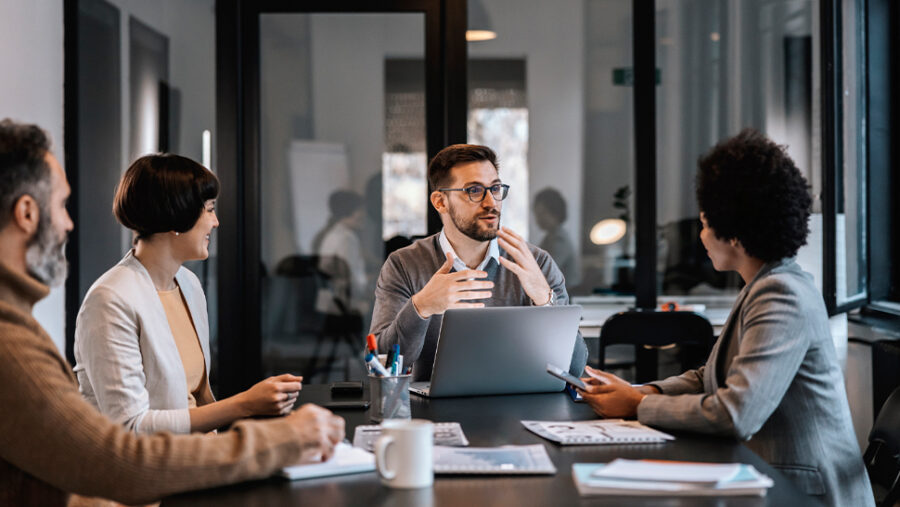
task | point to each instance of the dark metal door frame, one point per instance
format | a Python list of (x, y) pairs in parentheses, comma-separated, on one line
[(237, 119)]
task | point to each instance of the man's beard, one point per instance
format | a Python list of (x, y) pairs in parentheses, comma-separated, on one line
[(472, 227), (45, 257)]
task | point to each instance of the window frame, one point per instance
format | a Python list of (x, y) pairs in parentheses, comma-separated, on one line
[(883, 41)]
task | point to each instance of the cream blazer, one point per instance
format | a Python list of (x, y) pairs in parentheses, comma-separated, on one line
[(127, 363)]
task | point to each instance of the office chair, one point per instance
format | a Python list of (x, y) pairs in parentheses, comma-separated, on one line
[(882, 456), (323, 309), (649, 330)]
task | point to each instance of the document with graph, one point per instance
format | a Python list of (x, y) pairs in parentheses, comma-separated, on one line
[(504, 460), (600, 431)]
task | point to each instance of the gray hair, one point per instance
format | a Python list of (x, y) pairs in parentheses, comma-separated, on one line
[(23, 166)]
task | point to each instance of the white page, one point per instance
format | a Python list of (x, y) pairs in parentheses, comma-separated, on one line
[(669, 471), (346, 460)]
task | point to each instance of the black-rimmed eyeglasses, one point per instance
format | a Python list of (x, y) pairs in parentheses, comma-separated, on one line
[(477, 193)]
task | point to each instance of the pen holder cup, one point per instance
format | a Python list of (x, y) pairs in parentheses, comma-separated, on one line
[(389, 397)]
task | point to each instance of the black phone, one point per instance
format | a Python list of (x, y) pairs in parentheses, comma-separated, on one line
[(347, 387), (356, 404), (564, 375)]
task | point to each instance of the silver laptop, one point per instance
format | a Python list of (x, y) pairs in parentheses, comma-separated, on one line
[(501, 350)]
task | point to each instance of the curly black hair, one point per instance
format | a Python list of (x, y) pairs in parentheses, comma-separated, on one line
[(749, 189)]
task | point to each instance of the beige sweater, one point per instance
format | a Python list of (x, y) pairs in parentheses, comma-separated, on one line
[(53, 443)]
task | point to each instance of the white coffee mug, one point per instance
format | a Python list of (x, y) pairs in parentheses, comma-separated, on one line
[(403, 453)]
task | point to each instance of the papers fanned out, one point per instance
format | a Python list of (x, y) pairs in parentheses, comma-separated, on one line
[(601, 431), (668, 478), (445, 433), (510, 459), (346, 460)]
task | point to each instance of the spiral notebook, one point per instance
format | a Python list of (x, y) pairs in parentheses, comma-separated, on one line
[(504, 460), (601, 431)]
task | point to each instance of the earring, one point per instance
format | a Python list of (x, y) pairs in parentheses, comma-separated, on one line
[(177, 233)]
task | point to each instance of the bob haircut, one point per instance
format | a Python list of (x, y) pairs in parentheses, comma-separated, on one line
[(750, 190), (163, 192)]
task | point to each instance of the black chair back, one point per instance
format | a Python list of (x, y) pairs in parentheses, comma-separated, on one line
[(882, 456), (649, 328)]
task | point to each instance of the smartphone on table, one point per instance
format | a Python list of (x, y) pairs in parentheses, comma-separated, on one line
[(564, 375)]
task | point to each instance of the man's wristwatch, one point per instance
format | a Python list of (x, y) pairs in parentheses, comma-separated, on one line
[(552, 300)]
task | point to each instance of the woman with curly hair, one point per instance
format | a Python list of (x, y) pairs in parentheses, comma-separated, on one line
[(772, 378)]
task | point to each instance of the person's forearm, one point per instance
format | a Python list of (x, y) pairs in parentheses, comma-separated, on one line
[(218, 414), (404, 327), (648, 389)]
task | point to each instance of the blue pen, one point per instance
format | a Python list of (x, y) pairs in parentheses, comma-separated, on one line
[(395, 366), (375, 366)]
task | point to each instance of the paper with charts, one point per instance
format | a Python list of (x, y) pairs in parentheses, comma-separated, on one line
[(445, 433), (601, 431), (504, 460)]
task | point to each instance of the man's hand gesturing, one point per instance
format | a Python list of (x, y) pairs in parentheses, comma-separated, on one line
[(448, 290), (524, 266)]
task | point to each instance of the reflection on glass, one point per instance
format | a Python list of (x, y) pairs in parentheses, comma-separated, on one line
[(405, 210), (724, 66), (544, 98), (342, 143), (505, 130), (550, 212), (851, 175)]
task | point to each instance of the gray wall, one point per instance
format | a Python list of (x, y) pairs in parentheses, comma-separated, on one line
[(31, 90)]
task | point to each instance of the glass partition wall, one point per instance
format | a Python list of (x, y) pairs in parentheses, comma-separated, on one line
[(337, 108), (724, 66), (342, 170), (554, 101)]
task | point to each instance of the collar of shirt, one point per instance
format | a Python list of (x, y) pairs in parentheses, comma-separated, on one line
[(493, 251)]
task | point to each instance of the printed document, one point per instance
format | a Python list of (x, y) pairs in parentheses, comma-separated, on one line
[(600, 431)]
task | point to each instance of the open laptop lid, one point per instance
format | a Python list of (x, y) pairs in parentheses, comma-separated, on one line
[(503, 350)]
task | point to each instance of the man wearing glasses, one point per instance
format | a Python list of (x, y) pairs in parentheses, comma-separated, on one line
[(463, 266)]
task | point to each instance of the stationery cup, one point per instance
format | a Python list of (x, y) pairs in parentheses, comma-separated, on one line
[(404, 455), (389, 397)]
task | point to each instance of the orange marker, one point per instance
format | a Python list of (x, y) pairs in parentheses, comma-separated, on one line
[(370, 340)]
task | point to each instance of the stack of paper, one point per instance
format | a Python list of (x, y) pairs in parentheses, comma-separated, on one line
[(346, 460), (668, 478)]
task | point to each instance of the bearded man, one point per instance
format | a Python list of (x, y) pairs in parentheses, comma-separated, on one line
[(471, 263), (53, 443)]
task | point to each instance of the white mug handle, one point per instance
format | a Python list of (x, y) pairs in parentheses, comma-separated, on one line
[(381, 446)]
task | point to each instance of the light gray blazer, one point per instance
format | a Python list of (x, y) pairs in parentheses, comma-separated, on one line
[(773, 379), (127, 363)]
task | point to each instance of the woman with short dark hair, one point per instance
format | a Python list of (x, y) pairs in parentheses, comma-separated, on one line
[(773, 377), (142, 334)]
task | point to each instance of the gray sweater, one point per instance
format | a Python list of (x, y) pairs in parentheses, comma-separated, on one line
[(406, 271)]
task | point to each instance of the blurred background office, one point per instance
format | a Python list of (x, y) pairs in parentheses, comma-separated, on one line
[(290, 104)]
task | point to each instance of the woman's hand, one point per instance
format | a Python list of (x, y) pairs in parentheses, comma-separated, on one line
[(272, 396), (609, 395)]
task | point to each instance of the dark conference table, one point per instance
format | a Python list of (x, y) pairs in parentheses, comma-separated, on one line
[(491, 421)]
